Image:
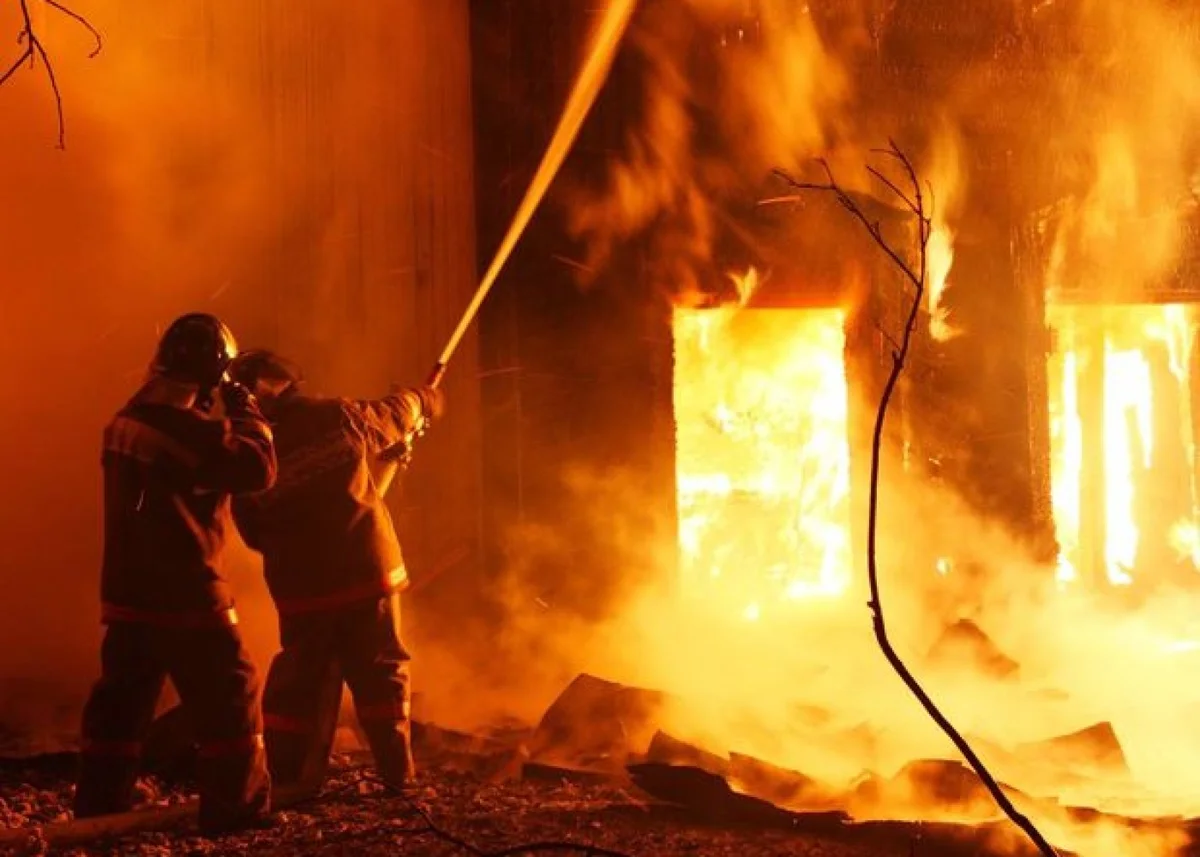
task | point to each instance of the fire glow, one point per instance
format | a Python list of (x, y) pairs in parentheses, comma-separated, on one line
[(763, 460), (1122, 440)]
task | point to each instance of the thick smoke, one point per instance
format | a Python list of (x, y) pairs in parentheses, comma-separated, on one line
[(143, 216), (717, 117), (223, 157), (1127, 139)]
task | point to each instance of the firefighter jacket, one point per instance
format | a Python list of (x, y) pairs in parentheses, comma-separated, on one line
[(326, 536), (168, 477)]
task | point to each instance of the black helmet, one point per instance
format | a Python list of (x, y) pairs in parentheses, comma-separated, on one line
[(197, 348), (250, 366)]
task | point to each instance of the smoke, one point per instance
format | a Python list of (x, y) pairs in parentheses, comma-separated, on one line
[(140, 218), (729, 98), (90, 234), (805, 687), (1127, 140), (720, 109), (260, 161)]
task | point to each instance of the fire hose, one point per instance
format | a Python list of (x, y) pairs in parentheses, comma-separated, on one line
[(583, 95)]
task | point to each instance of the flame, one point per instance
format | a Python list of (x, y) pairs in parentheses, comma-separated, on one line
[(763, 460), (1123, 493), (1185, 539), (947, 187), (939, 260)]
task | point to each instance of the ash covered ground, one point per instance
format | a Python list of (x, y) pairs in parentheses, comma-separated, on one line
[(596, 771), (354, 814)]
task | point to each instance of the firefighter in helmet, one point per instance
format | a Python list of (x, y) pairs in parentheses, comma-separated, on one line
[(169, 469), (334, 569)]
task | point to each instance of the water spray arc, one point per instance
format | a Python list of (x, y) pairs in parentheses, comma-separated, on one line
[(592, 75)]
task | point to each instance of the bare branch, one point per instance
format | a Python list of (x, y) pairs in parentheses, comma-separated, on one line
[(58, 105), (891, 186), (853, 208), (916, 205), (26, 54), (79, 19), (882, 331), (35, 51)]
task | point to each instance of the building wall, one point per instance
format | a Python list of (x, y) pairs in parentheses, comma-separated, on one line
[(544, 410)]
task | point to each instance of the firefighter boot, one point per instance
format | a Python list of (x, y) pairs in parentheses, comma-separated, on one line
[(391, 745)]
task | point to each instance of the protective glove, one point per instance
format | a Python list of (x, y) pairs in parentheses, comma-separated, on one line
[(433, 402), (237, 399)]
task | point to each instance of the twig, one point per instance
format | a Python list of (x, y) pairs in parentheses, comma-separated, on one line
[(872, 226), (891, 340), (34, 51), (533, 847), (916, 205), (510, 851)]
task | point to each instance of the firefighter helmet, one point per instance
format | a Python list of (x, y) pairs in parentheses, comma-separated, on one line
[(259, 363), (197, 348)]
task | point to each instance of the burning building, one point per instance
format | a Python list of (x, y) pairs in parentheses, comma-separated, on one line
[(721, 366), (794, 276), (679, 369), (988, 407), (1120, 430)]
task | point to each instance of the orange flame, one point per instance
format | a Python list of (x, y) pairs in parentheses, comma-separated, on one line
[(1125, 370), (939, 262), (762, 452), (947, 185)]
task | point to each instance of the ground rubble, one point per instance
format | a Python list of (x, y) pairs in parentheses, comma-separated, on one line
[(354, 813), (598, 770)]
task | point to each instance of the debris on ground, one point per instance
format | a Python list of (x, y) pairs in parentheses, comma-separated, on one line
[(598, 771)]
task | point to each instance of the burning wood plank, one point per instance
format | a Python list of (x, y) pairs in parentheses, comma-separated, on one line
[(596, 724), (1092, 752), (931, 789), (782, 787), (712, 797), (964, 642), (671, 751)]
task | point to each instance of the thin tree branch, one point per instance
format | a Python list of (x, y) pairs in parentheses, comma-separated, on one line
[(848, 203), (916, 206), (891, 340), (35, 51), (79, 19), (511, 851), (890, 185)]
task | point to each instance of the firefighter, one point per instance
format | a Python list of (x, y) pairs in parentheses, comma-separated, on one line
[(169, 470), (334, 568)]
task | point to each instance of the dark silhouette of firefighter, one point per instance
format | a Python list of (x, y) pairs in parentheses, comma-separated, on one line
[(170, 468), (334, 568)]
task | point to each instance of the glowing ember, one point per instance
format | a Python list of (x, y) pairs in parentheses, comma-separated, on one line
[(1123, 488), (763, 460)]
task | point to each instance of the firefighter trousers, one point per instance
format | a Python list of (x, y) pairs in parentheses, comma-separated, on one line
[(218, 687), (360, 645)]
